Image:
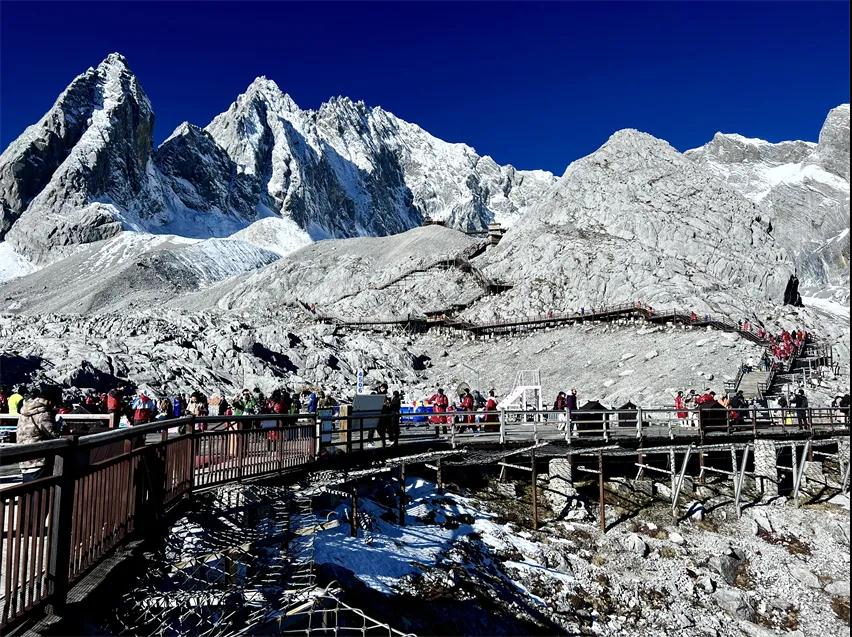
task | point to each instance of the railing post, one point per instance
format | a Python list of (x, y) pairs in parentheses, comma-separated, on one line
[(568, 426), (241, 455), (502, 426), (318, 434), (192, 452), (639, 422), (534, 490), (754, 420), (67, 467)]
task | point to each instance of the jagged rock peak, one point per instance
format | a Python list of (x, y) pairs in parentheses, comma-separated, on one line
[(186, 129), (266, 90), (833, 147), (114, 60)]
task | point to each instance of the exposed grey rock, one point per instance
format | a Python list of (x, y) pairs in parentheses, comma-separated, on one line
[(726, 566), (590, 241), (804, 576), (349, 169), (839, 588), (706, 584), (735, 602), (802, 187), (695, 511), (87, 170), (636, 544), (99, 172)]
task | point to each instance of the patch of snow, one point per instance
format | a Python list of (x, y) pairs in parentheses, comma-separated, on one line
[(12, 264), (278, 234), (827, 305)]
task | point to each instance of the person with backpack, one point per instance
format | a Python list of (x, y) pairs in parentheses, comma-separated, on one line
[(143, 409)]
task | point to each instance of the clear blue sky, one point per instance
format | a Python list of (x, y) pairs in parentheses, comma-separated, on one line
[(535, 85)]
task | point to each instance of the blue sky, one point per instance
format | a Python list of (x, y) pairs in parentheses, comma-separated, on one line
[(535, 85)]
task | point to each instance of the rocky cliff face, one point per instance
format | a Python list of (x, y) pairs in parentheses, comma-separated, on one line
[(96, 166), (347, 169), (803, 188), (87, 170), (638, 220)]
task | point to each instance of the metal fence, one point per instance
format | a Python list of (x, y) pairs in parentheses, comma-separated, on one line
[(104, 487)]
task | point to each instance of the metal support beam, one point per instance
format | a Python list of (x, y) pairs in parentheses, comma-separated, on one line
[(652, 468), (739, 479), (679, 483), (797, 476)]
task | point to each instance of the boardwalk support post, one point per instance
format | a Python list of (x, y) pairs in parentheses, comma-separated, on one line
[(353, 525), (67, 468), (797, 475), (534, 490), (739, 478), (679, 484), (402, 494), (601, 493)]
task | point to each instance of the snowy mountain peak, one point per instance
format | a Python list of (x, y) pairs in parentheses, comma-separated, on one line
[(267, 91), (88, 169), (114, 60), (185, 128), (801, 187)]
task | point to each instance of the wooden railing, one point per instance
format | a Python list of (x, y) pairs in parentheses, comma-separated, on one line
[(104, 487)]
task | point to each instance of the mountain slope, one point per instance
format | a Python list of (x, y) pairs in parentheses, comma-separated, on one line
[(638, 220), (132, 270), (804, 189)]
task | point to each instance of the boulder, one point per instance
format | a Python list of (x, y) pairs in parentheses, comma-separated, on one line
[(735, 602), (636, 544), (804, 576), (839, 588), (726, 566)]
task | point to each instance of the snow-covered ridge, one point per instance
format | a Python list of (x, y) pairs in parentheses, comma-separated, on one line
[(88, 170), (802, 188)]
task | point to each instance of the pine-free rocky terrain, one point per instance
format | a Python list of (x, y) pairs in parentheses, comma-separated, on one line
[(232, 255)]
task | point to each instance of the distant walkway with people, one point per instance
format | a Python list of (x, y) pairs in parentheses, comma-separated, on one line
[(637, 309)]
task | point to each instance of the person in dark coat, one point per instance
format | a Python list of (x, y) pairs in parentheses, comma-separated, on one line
[(737, 406), (800, 402), (395, 405), (571, 401)]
